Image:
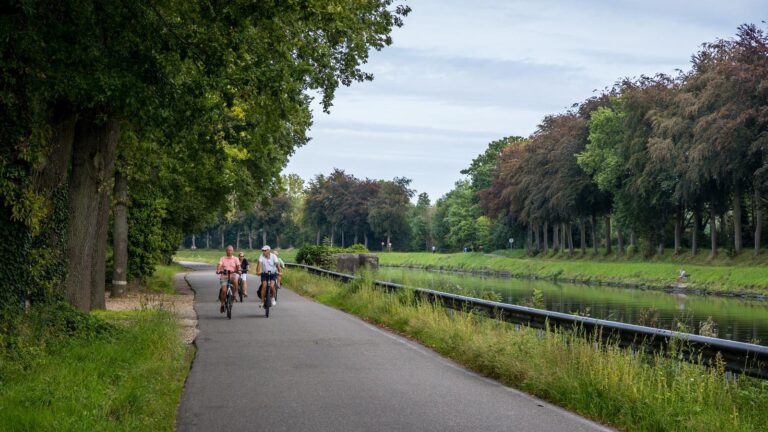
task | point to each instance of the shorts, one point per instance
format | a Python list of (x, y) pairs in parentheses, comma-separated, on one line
[(268, 277), (244, 277), (232, 277)]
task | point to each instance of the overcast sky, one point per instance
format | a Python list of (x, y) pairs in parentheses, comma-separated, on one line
[(461, 74)]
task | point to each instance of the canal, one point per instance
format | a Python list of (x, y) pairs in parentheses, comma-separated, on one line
[(723, 317)]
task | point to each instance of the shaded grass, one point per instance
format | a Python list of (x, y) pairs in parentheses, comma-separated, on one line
[(128, 378), (632, 392), (162, 280), (740, 276)]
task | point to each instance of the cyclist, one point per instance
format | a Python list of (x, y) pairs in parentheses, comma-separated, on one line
[(231, 263), (244, 272), (280, 268), (267, 268)]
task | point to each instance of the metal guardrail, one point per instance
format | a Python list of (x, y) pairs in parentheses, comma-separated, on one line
[(740, 357)]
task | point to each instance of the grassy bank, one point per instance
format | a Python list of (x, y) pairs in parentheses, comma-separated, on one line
[(162, 280), (61, 369), (211, 256), (631, 392), (741, 275)]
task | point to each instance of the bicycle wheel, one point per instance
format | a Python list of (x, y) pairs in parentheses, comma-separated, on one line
[(267, 303), (228, 304)]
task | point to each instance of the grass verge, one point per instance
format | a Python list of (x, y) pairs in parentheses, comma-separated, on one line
[(162, 280), (610, 384), (744, 276), (211, 256), (65, 370)]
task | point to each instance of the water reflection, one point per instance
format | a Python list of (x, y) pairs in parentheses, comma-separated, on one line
[(723, 317)]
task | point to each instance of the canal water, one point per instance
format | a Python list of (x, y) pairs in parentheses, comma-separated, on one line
[(723, 317)]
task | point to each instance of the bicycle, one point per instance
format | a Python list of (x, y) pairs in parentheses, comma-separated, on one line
[(230, 297), (267, 297), (240, 287)]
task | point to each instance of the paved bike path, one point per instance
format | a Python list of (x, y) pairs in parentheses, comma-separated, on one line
[(309, 367)]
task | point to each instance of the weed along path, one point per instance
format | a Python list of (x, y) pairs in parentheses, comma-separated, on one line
[(309, 367)]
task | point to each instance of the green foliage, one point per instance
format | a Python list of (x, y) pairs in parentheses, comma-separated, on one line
[(322, 255), (315, 255)]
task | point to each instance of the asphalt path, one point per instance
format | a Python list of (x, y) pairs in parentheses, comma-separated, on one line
[(309, 367)]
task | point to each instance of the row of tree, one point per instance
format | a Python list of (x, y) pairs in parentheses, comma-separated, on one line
[(653, 162), (183, 109), (654, 157)]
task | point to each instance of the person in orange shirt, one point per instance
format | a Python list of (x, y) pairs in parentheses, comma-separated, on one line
[(231, 263)]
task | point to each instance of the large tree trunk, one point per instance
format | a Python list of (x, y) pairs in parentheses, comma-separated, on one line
[(365, 239), (51, 180), (237, 239), (713, 231), (678, 230), (99, 259), (528, 239), (583, 236), (758, 217), (607, 234), (696, 229), (546, 237), (264, 236), (250, 239), (538, 242), (632, 239), (120, 236), (221, 236), (207, 240), (93, 165), (737, 220), (317, 237), (342, 238), (570, 239), (593, 219)]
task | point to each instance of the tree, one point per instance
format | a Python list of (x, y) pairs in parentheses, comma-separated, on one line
[(387, 210)]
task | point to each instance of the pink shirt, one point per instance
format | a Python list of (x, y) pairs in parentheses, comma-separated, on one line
[(229, 263)]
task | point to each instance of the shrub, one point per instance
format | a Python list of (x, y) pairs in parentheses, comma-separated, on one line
[(322, 255)]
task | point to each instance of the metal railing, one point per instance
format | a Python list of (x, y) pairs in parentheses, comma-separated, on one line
[(740, 357)]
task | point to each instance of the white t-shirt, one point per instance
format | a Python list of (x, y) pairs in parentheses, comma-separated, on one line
[(268, 264)]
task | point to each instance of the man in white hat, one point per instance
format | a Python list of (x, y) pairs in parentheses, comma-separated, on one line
[(267, 268)]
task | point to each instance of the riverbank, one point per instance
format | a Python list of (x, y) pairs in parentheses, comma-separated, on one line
[(630, 391), (741, 277), (119, 369)]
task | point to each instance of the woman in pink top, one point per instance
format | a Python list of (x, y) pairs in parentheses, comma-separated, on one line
[(231, 263)]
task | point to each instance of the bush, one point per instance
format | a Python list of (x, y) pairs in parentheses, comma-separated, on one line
[(322, 255)]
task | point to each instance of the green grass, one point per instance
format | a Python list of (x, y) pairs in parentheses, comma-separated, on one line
[(745, 274), (211, 256), (105, 371), (128, 379), (162, 280), (631, 392)]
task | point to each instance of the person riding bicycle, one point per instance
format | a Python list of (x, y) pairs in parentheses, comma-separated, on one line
[(280, 268), (267, 268), (231, 263), (244, 272)]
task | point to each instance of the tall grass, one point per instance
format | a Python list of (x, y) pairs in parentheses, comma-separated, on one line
[(739, 277), (162, 280), (634, 392), (129, 377)]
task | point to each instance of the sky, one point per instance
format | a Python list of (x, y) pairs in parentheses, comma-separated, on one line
[(461, 74)]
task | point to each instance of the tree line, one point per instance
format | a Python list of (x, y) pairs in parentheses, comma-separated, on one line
[(125, 125), (649, 163)]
